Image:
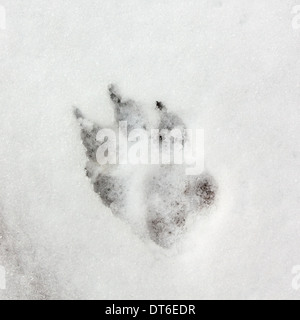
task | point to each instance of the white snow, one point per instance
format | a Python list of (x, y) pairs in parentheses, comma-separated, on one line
[(231, 67)]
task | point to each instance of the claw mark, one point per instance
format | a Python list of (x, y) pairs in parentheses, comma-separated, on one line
[(89, 132), (169, 120), (160, 106), (127, 110), (169, 195)]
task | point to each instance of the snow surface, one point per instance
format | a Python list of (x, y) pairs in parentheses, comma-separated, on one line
[(231, 67)]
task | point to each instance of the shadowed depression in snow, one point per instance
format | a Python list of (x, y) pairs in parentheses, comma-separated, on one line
[(170, 197)]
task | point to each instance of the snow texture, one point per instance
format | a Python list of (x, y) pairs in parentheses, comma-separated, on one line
[(230, 67)]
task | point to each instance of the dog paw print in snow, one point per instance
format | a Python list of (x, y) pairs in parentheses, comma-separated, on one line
[(158, 199)]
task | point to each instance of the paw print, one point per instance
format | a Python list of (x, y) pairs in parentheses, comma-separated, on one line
[(168, 195)]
